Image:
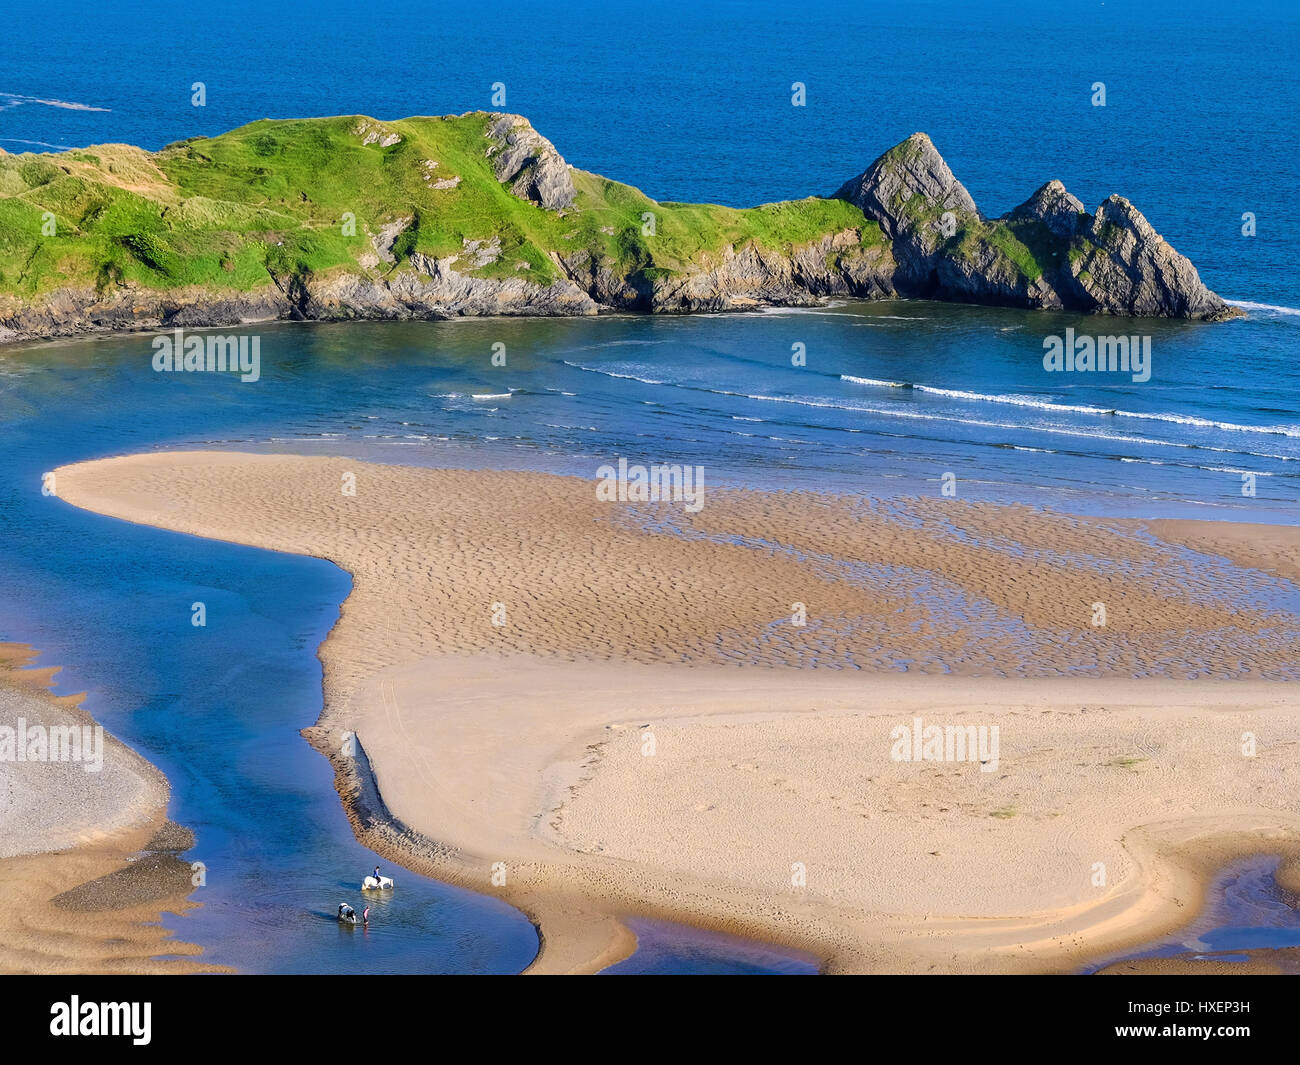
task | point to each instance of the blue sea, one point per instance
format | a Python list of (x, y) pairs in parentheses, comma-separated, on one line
[(690, 102)]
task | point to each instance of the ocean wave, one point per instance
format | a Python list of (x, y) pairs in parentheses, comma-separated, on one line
[(1248, 305), (605, 344), (1083, 432), (1089, 434), (67, 105), (873, 381), (611, 373), (39, 144), (1194, 466), (1035, 403), (825, 308)]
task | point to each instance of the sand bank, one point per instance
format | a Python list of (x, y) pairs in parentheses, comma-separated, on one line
[(512, 647), (87, 865), (53, 805)]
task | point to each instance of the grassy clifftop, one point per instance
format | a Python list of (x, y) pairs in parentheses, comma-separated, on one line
[(311, 196), (478, 214)]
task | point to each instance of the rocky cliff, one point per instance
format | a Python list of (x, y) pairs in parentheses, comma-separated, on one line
[(480, 215), (1047, 253)]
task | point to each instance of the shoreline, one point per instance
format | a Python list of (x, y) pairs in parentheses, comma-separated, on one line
[(194, 321), (90, 869), (1167, 890), (1178, 864)]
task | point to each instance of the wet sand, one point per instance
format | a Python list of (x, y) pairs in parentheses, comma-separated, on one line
[(1283, 962), (87, 860), (511, 644)]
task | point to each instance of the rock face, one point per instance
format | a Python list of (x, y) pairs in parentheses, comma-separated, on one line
[(375, 133), (908, 180), (1126, 267), (837, 265), (1055, 208), (918, 203), (433, 288), (383, 240), (1047, 253), (82, 311), (526, 161)]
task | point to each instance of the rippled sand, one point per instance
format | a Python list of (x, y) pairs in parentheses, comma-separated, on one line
[(771, 803), (87, 860)]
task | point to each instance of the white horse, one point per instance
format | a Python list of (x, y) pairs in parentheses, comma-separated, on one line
[(371, 884)]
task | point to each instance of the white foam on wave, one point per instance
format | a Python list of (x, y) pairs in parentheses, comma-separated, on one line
[(1036, 403), (1087, 434), (1273, 307), (38, 144), (611, 373), (66, 105), (1014, 400), (873, 381), (1194, 466), (825, 308)]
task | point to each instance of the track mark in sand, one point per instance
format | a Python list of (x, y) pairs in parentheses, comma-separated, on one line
[(393, 712)]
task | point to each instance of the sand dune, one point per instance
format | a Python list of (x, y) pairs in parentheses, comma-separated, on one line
[(511, 643)]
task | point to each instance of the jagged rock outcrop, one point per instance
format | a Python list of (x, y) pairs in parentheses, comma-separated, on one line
[(888, 189), (1048, 253), (1061, 213), (917, 202), (372, 132), (526, 161), (1126, 267), (383, 241), (979, 269)]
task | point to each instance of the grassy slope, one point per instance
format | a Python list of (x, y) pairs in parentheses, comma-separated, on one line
[(219, 211)]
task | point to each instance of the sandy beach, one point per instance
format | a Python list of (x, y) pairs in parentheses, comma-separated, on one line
[(596, 709), (87, 866)]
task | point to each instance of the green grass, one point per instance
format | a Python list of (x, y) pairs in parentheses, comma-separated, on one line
[(227, 211), (271, 198), (1026, 248)]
